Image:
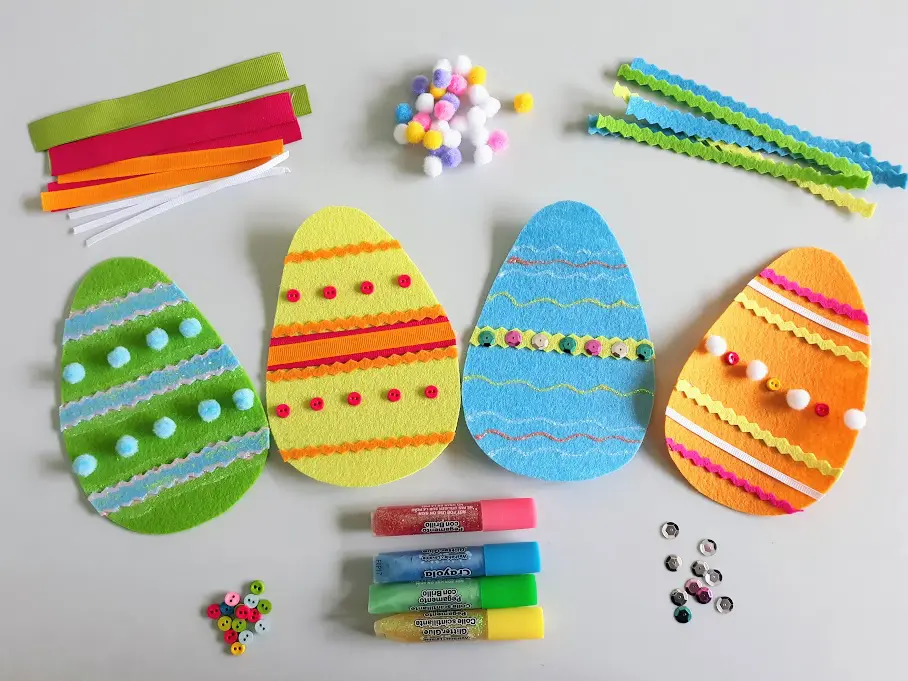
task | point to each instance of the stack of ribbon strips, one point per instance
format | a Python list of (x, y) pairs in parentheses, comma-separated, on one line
[(109, 157), (733, 133)]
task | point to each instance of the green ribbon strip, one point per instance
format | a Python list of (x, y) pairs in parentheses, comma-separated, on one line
[(124, 112)]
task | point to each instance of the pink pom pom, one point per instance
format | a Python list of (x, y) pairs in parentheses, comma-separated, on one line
[(498, 140), (444, 110), (423, 119), (458, 84)]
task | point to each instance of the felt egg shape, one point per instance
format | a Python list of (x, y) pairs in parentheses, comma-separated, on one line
[(766, 410), (160, 420), (559, 377), (363, 383)]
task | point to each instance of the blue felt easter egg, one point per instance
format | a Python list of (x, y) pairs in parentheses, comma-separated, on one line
[(564, 390)]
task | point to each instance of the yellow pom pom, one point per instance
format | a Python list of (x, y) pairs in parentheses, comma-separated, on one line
[(523, 102), (477, 76), (415, 132), (437, 92), (433, 139)]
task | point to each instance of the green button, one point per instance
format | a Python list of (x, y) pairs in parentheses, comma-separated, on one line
[(224, 623), (257, 587), (264, 606), (238, 625)]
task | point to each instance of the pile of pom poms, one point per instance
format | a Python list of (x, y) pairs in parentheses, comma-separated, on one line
[(453, 105), (242, 620)]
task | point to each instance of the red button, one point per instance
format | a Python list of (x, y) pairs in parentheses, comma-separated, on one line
[(254, 615), (329, 292), (394, 395), (282, 410), (241, 612), (821, 409), (214, 611), (353, 399), (317, 403), (404, 281), (431, 392), (293, 295), (230, 636), (732, 358), (367, 287)]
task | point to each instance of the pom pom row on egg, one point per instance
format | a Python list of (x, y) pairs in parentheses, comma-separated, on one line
[(158, 417), (363, 380), (765, 413), (559, 377)]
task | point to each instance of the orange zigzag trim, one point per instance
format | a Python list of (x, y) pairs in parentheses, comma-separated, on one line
[(344, 323), (360, 445), (338, 251), (355, 365)]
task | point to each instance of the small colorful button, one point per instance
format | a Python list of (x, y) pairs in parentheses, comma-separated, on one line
[(486, 338), (568, 345), (540, 341), (226, 610), (293, 295), (264, 606), (246, 637), (316, 404), (232, 598), (237, 649), (431, 392), (645, 352), (251, 600), (619, 350), (263, 625), (230, 636), (367, 287), (224, 623), (593, 347), (774, 384), (242, 611), (282, 410), (238, 625), (404, 281), (394, 395), (732, 358), (821, 409), (214, 611), (329, 292), (354, 399), (257, 587), (513, 338), (254, 615)]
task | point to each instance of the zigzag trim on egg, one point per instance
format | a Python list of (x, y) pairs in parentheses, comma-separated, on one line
[(340, 251), (555, 339), (829, 303), (360, 365), (356, 322), (367, 445), (119, 311)]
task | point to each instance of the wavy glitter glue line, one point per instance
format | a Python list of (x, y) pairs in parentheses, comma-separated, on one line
[(715, 407), (514, 260), (805, 334), (420, 440), (118, 311), (590, 422), (564, 386), (699, 460), (142, 487), (598, 451), (827, 302), (553, 438), (555, 275), (202, 367), (580, 251), (556, 303)]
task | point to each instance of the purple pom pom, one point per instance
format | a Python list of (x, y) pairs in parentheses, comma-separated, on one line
[(451, 158), (441, 78), (420, 85), (454, 99)]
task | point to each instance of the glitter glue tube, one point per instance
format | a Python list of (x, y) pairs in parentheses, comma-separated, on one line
[(466, 516), (509, 624), (448, 595), (491, 560)]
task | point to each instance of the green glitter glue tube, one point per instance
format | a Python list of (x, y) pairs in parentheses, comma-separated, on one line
[(449, 595)]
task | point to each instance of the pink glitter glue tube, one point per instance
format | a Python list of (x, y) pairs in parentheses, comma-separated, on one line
[(465, 516)]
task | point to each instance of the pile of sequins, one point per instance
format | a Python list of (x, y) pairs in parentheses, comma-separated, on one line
[(242, 621), (700, 586)]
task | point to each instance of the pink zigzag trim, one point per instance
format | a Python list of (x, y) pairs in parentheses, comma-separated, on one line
[(699, 460), (836, 306)]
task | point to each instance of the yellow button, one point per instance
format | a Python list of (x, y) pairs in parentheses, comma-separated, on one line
[(774, 384), (237, 649)]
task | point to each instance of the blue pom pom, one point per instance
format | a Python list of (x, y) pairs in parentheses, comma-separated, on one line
[(84, 465), (454, 99), (209, 410), (244, 398), (451, 158), (190, 328), (73, 373), (164, 427), (404, 113), (118, 357), (420, 85), (127, 445), (157, 339), (441, 78)]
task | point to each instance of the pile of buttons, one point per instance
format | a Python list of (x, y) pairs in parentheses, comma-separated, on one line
[(700, 585), (452, 105), (241, 621)]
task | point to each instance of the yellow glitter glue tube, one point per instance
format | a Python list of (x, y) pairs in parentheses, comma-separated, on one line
[(506, 624)]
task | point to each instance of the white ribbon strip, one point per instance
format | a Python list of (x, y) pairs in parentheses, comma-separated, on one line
[(807, 314), (741, 456), (161, 196), (258, 172)]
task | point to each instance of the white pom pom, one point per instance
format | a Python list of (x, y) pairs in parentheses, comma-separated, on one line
[(442, 64), (478, 94), (459, 123), (431, 166), (483, 155), (797, 398), (716, 345), (452, 139), (855, 419), (400, 133), (476, 117), (491, 106), (425, 103), (443, 126), (462, 65), (479, 136), (756, 370)]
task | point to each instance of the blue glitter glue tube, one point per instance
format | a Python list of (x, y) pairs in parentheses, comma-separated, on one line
[(491, 560)]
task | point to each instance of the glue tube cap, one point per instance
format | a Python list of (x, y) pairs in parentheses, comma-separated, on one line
[(512, 591), (512, 624), (517, 558), (508, 514)]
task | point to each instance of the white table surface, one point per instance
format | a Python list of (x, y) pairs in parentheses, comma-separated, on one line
[(819, 595)]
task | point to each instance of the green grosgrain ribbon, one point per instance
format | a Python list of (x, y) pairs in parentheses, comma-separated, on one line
[(124, 112)]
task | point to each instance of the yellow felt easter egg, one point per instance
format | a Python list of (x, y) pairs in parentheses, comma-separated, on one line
[(766, 410), (363, 380)]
